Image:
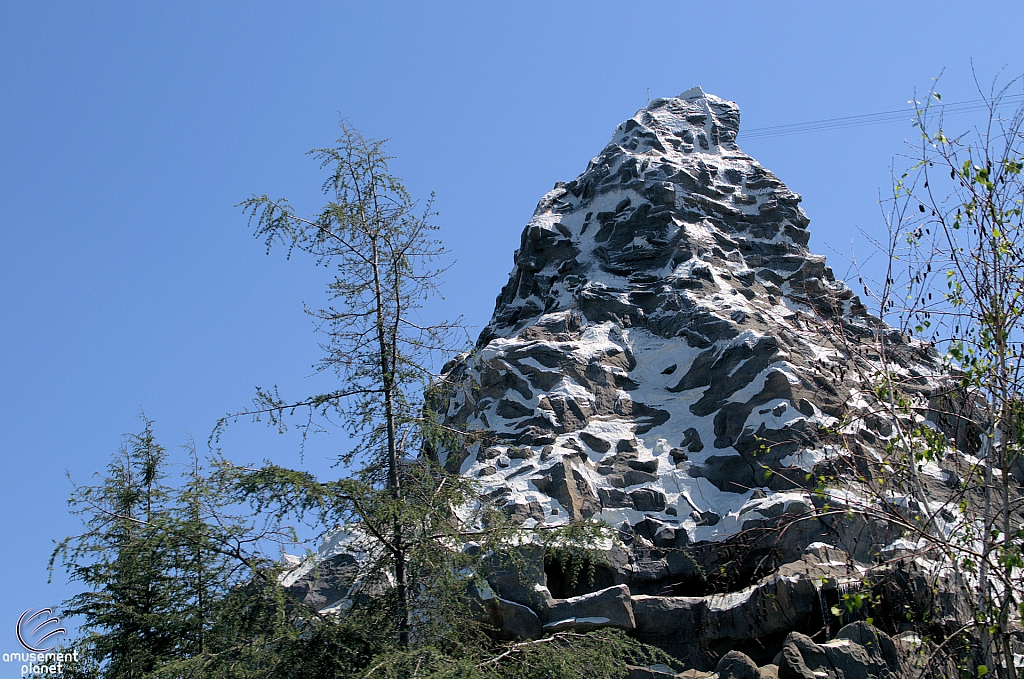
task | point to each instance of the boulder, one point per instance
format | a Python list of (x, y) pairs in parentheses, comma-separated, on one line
[(801, 658), (512, 621), (859, 651), (609, 607), (736, 665)]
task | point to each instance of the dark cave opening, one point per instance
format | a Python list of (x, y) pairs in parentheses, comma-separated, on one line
[(701, 576), (574, 576)]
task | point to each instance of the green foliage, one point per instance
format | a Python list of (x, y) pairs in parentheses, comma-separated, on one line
[(858, 602), (158, 561), (955, 275), (604, 654), (423, 529), (177, 586), (131, 556), (572, 548), (384, 257)]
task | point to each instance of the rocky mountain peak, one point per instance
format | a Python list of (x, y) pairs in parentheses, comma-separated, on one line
[(668, 215), (650, 311), (652, 362)]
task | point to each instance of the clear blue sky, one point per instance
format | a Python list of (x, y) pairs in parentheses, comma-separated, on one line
[(128, 131)]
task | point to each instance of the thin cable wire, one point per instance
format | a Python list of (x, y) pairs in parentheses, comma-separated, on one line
[(908, 114)]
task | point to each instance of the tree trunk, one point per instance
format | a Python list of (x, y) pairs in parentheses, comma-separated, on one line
[(394, 480)]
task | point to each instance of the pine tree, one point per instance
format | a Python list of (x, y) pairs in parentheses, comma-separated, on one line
[(178, 583), (126, 560), (427, 535), (163, 565), (383, 253)]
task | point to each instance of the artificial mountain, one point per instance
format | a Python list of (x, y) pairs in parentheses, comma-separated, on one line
[(659, 360), (656, 361)]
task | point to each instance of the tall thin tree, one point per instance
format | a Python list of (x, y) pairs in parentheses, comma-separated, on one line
[(384, 255)]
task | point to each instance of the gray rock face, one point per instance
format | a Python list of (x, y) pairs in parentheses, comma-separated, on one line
[(513, 622), (735, 665), (565, 483), (609, 607), (326, 583), (650, 363), (650, 355), (879, 649), (858, 652)]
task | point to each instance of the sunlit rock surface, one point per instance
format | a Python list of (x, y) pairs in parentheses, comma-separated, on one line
[(655, 361)]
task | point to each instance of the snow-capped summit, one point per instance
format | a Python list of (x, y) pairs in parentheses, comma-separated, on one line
[(656, 361), (646, 345)]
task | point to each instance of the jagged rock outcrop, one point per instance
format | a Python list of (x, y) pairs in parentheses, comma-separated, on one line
[(858, 650), (651, 363), (647, 345)]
